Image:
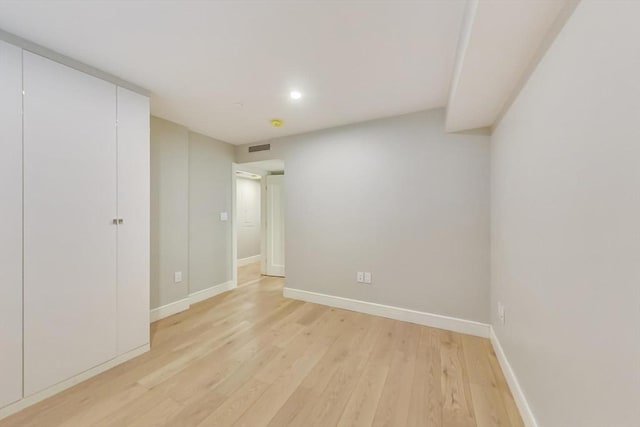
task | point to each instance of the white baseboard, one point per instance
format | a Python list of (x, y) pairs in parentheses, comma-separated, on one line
[(57, 388), (421, 318), (248, 260), (518, 395), (169, 309), (211, 292), (185, 303)]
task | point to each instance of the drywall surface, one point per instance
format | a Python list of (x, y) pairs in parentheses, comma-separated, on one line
[(169, 211), (396, 197), (248, 205), (565, 224), (209, 195), (190, 187)]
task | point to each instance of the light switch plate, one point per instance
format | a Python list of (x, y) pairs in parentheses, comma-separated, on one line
[(224, 216), (360, 277), (367, 277)]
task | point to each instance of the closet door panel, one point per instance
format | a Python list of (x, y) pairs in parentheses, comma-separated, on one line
[(69, 238), (11, 220), (133, 209)]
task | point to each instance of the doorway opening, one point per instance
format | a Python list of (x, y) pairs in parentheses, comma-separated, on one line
[(258, 220)]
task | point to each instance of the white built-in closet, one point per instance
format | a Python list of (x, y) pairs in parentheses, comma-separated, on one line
[(74, 209)]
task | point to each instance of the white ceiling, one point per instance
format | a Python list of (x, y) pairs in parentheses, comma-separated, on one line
[(500, 45), (225, 68), (352, 60)]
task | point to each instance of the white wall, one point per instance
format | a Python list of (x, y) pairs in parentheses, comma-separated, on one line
[(190, 186), (397, 197), (169, 211), (565, 224), (209, 194), (248, 206)]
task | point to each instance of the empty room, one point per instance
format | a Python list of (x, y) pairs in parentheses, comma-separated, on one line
[(321, 213)]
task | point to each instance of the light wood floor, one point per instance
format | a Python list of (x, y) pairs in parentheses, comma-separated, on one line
[(253, 358)]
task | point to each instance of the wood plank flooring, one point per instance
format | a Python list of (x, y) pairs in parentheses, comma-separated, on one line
[(250, 357)]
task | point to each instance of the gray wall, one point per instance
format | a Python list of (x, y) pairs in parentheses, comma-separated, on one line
[(209, 194), (397, 197), (248, 206), (565, 224), (190, 186), (169, 211)]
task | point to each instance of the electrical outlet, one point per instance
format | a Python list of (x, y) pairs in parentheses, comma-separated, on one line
[(501, 312), (367, 277), (224, 216), (360, 277), (177, 277)]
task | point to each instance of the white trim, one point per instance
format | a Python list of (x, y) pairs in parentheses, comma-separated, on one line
[(249, 260), (185, 303), (518, 395), (421, 318), (211, 292), (234, 223), (57, 388), (263, 224), (169, 309)]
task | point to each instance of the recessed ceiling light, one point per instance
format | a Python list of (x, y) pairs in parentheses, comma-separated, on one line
[(295, 94)]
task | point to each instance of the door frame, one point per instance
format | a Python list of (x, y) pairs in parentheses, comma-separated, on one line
[(234, 225), (234, 217), (265, 233), (263, 224)]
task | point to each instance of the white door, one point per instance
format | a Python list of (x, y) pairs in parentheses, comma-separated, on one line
[(11, 220), (275, 225), (248, 217), (133, 213), (69, 238)]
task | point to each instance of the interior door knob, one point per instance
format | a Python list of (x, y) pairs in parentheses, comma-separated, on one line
[(115, 220), (120, 220)]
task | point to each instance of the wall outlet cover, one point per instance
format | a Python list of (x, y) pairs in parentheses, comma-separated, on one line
[(177, 276), (501, 312), (367, 277)]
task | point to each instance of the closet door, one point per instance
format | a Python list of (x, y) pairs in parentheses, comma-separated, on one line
[(11, 220), (69, 235), (133, 210)]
